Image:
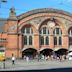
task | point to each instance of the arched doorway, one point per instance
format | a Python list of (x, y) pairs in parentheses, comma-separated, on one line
[(30, 52), (61, 53), (46, 52)]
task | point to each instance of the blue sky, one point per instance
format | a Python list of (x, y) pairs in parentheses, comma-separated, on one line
[(23, 6)]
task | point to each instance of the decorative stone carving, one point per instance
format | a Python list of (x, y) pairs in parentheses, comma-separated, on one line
[(37, 20), (68, 23), (65, 33)]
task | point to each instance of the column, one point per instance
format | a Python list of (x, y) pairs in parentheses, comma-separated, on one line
[(20, 46)]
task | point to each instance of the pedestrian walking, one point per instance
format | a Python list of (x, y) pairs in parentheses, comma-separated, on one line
[(27, 59), (13, 59)]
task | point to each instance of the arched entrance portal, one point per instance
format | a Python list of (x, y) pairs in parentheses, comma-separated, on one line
[(30, 52), (61, 51), (46, 52)]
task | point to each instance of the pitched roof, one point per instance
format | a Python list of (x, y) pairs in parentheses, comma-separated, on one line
[(2, 23)]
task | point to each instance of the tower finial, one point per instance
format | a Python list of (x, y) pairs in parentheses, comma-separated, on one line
[(12, 13)]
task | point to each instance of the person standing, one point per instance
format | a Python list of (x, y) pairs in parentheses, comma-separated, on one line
[(13, 59)]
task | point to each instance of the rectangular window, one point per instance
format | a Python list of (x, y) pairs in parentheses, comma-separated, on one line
[(57, 30), (55, 40), (70, 40), (25, 40), (28, 30), (60, 41), (41, 40), (30, 40), (47, 41), (44, 30)]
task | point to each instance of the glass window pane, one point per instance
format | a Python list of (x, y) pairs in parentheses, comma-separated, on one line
[(44, 30), (55, 40), (41, 40), (27, 30), (40, 31), (70, 40), (60, 41), (57, 30), (47, 41), (70, 32), (30, 40), (48, 31), (25, 40)]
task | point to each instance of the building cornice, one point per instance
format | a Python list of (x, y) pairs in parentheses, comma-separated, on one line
[(43, 10)]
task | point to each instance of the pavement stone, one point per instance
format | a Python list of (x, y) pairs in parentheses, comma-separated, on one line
[(34, 65)]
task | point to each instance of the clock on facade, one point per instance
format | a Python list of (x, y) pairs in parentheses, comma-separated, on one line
[(13, 27), (51, 24)]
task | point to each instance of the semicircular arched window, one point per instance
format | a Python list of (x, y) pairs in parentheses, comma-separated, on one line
[(27, 30)]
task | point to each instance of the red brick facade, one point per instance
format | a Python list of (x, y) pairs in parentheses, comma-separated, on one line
[(35, 19)]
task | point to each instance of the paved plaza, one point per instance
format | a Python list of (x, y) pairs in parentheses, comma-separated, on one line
[(34, 65)]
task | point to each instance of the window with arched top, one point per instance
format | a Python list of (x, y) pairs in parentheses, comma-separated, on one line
[(27, 35), (44, 33), (44, 30), (70, 32), (70, 36), (57, 31), (57, 36), (27, 30)]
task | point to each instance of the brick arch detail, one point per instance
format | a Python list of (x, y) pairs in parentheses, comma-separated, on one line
[(41, 49), (69, 28), (48, 15), (29, 48), (25, 24), (61, 25)]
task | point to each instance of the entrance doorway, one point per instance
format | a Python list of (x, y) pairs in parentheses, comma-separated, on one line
[(46, 52), (29, 52), (61, 53)]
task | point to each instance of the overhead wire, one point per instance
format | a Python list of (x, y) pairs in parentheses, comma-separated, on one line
[(7, 8), (62, 3)]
